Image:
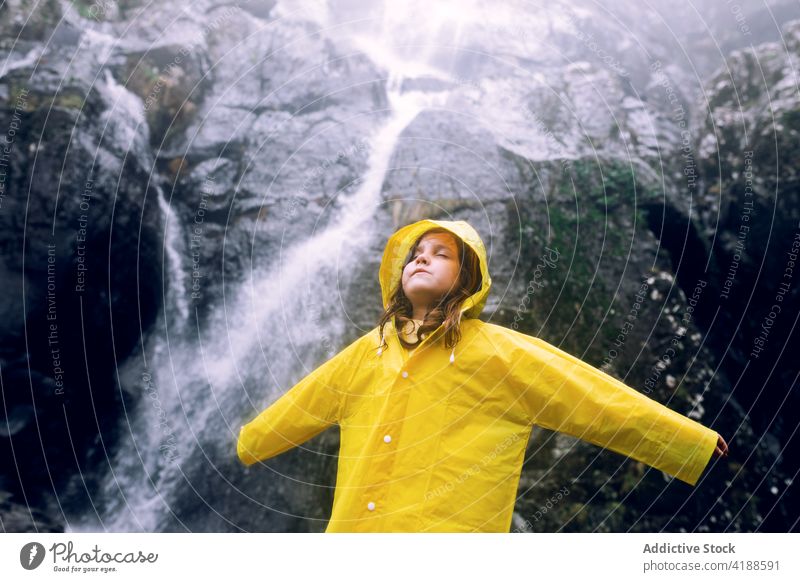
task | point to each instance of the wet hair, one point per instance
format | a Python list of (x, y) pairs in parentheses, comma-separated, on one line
[(447, 310)]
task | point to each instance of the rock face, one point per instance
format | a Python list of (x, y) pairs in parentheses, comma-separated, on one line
[(77, 198), (194, 206), (751, 205)]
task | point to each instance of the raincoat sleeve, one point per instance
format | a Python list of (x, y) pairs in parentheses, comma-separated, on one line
[(565, 394), (313, 404)]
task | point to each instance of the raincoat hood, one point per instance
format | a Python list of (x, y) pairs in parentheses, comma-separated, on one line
[(400, 244), (396, 252)]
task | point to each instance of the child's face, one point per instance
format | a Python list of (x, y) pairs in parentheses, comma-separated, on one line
[(433, 271)]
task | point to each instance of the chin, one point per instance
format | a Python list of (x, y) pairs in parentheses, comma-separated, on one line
[(416, 289)]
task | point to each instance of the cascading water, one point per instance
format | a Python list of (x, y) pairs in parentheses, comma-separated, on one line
[(174, 249), (126, 118), (189, 407)]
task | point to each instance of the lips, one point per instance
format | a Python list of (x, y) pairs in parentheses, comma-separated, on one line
[(420, 271)]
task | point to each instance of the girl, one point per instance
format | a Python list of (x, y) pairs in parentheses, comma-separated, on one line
[(435, 406)]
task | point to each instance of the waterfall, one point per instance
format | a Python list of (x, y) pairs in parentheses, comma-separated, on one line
[(189, 386), (174, 249), (125, 125), (13, 61)]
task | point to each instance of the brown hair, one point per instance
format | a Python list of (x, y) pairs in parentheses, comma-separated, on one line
[(448, 310)]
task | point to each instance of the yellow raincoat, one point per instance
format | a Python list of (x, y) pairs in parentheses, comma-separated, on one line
[(433, 439)]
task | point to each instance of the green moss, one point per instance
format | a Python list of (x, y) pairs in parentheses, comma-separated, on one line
[(23, 98), (84, 8), (151, 74), (609, 183), (30, 101), (591, 219), (69, 100)]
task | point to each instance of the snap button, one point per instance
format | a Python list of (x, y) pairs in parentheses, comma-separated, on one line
[(371, 506), (387, 439), (404, 374)]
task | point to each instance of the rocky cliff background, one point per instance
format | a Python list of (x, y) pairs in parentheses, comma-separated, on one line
[(194, 198)]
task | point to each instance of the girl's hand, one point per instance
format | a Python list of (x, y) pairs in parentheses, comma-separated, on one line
[(722, 447)]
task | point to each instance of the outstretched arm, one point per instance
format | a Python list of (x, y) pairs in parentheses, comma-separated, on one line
[(566, 394), (309, 407)]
